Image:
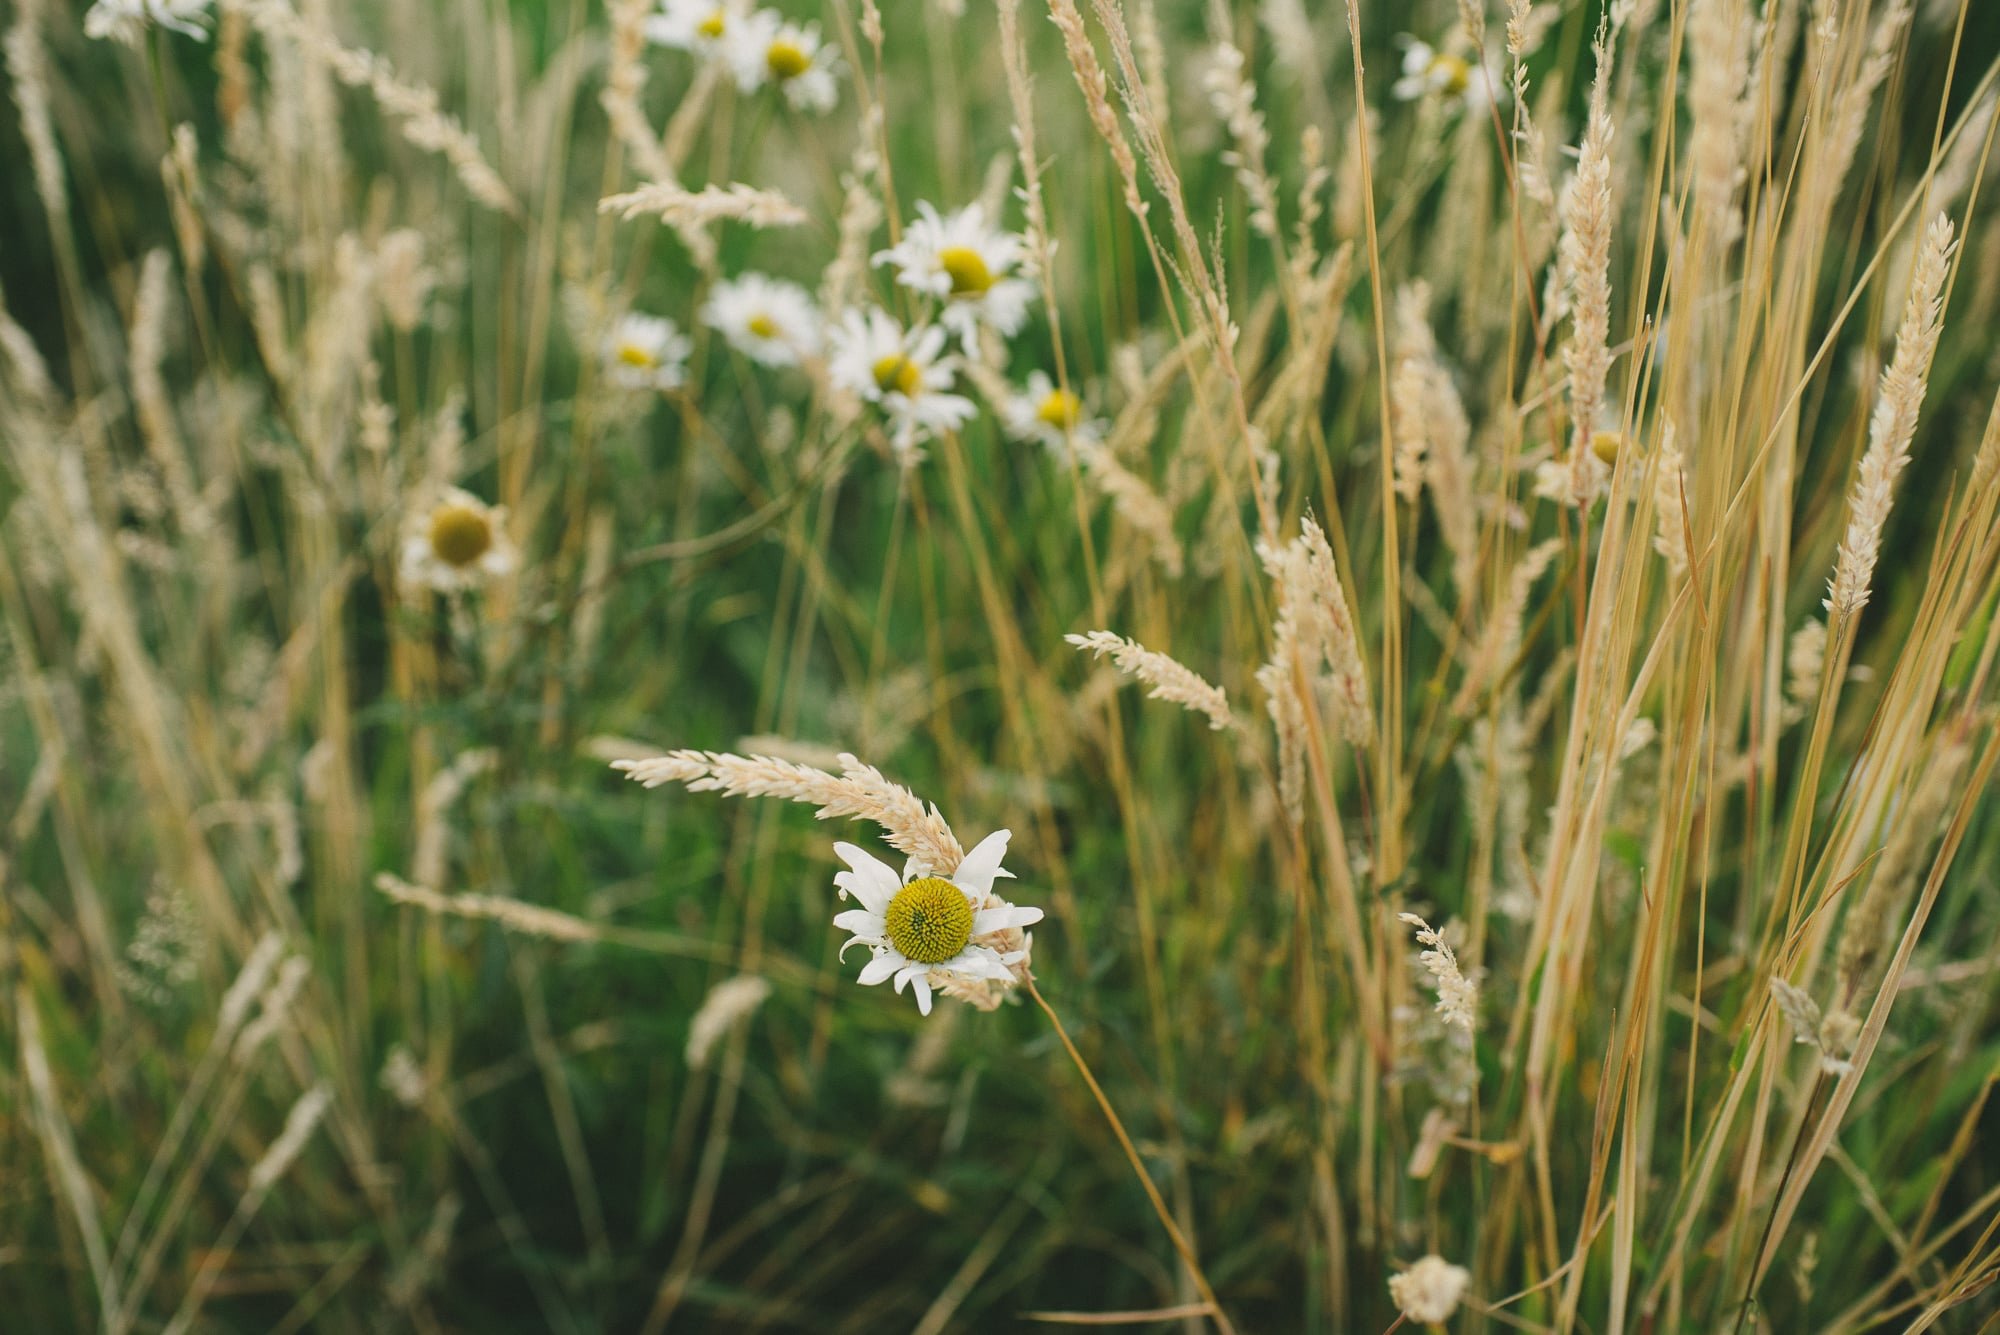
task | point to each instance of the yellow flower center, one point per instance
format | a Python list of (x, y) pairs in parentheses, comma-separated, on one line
[(460, 535), (634, 354), (1451, 73), (763, 326), (967, 267), (711, 27), (897, 374), (1605, 445), (929, 920), (787, 60), (1060, 409)]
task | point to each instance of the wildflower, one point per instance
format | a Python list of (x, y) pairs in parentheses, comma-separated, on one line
[(1047, 412), (456, 543), (1427, 70), (768, 49), (1429, 1291), (646, 352), (126, 20), (903, 370), (700, 26), (929, 931), (766, 319), (969, 264)]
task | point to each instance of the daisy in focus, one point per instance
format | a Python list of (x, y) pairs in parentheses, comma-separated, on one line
[(646, 352), (1053, 415), (126, 20), (969, 264), (456, 542), (924, 931), (768, 320), (1428, 72), (701, 26), (904, 371), (768, 49)]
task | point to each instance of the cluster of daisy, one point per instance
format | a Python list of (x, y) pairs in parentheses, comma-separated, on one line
[(757, 47), (969, 275)]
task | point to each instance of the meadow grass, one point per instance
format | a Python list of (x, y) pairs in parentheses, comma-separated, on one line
[(1460, 538)]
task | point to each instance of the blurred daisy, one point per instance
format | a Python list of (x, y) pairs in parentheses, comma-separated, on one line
[(1427, 71), (126, 20), (966, 262), (455, 542), (701, 26), (766, 319), (1047, 412), (933, 931), (768, 49), (646, 352), (903, 370)]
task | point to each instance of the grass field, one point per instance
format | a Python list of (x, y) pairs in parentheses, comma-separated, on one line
[(1459, 539)]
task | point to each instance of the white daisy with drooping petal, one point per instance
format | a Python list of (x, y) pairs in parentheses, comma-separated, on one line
[(1053, 415), (905, 371), (1428, 71), (768, 49), (646, 352), (126, 20), (455, 541), (766, 319), (967, 263), (928, 931), (701, 26)]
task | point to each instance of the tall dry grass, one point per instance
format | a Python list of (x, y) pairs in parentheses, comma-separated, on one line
[(1551, 450)]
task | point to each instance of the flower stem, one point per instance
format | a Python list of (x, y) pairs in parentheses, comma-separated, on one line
[(1179, 1239)]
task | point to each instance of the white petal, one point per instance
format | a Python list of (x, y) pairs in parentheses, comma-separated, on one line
[(878, 969), (987, 921), (975, 874), (980, 962), (872, 881), (861, 922), (922, 985)]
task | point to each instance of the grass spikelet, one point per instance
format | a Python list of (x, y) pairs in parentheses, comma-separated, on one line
[(728, 1004), (1169, 679), (858, 792), (694, 208), (424, 122), (1586, 260), (1893, 424)]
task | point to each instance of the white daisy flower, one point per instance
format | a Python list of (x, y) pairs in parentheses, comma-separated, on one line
[(967, 263), (905, 371), (768, 49), (766, 319), (455, 542), (646, 352), (1047, 412), (701, 26), (1427, 70), (126, 20), (929, 931)]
